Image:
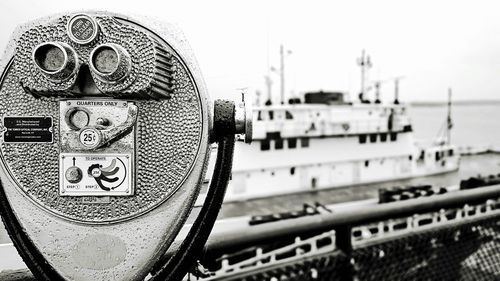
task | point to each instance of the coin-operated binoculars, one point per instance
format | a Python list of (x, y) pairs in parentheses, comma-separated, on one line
[(105, 137)]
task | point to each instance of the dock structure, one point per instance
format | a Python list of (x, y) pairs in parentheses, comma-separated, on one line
[(451, 236)]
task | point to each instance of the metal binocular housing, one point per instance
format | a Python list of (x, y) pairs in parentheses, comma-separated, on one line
[(105, 138)]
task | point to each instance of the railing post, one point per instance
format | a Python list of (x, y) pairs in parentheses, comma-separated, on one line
[(343, 241)]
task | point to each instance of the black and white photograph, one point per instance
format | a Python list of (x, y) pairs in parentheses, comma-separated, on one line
[(249, 140)]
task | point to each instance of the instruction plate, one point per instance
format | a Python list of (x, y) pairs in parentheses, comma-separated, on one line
[(95, 174)]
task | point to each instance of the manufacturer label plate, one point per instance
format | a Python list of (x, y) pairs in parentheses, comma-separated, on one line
[(95, 174), (27, 129)]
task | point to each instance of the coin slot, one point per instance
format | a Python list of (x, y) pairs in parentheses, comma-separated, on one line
[(77, 118)]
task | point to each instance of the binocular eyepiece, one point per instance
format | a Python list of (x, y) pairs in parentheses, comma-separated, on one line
[(109, 62), (55, 60), (105, 137), (95, 56)]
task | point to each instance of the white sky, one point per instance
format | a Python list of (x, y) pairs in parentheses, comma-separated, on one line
[(434, 44)]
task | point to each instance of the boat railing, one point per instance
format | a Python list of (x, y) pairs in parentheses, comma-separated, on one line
[(324, 128)]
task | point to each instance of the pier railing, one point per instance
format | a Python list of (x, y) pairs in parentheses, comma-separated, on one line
[(453, 236)]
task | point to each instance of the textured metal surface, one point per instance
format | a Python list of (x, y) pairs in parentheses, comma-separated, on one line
[(137, 242), (150, 71), (168, 131)]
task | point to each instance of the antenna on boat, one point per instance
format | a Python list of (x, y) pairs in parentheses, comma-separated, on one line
[(449, 123), (281, 71), (269, 85), (396, 88), (444, 134), (378, 83), (267, 77), (377, 92), (365, 63)]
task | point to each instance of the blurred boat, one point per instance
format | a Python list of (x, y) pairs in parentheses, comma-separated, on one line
[(324, 141)]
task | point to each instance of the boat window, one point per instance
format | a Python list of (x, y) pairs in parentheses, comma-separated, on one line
[(450, 152), (292, 143), (273, 135), (271, 115), (264, 145), (422, 155), (410, 157), (438, 156), (278, 144), (407, 128), (367, 163), (304, 142), (259, 115), (373, 137), (313, 183), (288, 115), (362, 138), (383, 137), (292, 171), (394, 136)]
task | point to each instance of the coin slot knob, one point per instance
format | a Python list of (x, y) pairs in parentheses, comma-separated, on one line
[(73, 174)]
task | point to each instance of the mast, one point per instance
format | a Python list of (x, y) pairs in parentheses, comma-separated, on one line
[(364, 63), (396, 91), (377, 92), (282, 73), (449, 123), (267, 77), (396, 88), (269, 84)]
